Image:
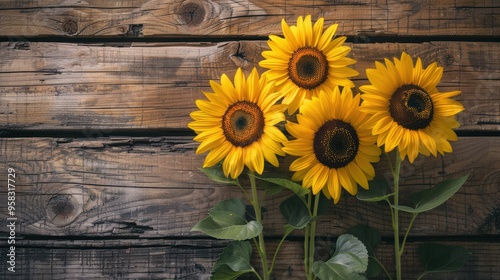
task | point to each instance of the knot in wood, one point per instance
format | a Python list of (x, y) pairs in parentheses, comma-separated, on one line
[(134, 30), (191, 13), (70, 27), (62, 209)]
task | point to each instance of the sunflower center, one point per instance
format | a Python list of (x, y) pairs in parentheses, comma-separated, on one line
[(336, 144), (243, 123), (308, 67), (411, 107)]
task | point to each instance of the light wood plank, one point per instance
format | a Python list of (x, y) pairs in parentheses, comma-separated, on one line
[(151, 187), (96, 89), (364, 19), (193, 259)]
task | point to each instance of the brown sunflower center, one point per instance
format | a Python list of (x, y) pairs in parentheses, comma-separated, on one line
[(411, 107), (243, 123), (308, 67), (336, 143)]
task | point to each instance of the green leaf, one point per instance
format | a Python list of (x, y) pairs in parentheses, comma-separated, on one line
[(428, 199), (377, 191), (216, 174), (374, 269), (233, 262), (226, 220), (283, 182), (369, 236), (237, 232), (442, 258), (295, 212), (371, 239), (270, 188), (331, 271), (229, 212), (349, 261)]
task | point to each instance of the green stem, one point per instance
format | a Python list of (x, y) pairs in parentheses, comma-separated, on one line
[(395, 220), (244, 192), (414, 215), (383, 267), (312, 237), (256, 273), (306, 238), (277, 250), (422, 275), (261, 245)]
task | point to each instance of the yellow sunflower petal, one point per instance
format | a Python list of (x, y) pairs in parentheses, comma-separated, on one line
[(233, 163), (303, 162), (319, 121), (226, 137), (419, 133), (334, 187), (317, 29), (289, 36), (326, 38), (216, 155)]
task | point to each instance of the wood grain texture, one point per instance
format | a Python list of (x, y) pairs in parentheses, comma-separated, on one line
[(152, 18), (97, 89), (151, 187), (193, 259), (84, 84)]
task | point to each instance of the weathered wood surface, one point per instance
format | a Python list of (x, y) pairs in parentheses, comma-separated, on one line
[(98, 89), (153, 18), (193, 259), (91, 204), (151, 187)]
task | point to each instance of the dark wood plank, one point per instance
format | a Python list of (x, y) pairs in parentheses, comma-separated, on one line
[(151, 18), (193, 259), (151, 187), (98, 89)]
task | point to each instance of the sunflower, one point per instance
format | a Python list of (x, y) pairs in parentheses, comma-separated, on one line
[(237, 124), (334, 148), (407, 111), (307, 61)]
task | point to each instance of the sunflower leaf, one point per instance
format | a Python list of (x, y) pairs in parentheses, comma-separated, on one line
[(286, 183), (234, 261), (229, 212), (216, 174), (270, 188), (370, 238), (442, 258), (226, 220), (377, 191), (236, 232), (349, 261), (295, 212), (428, 199)]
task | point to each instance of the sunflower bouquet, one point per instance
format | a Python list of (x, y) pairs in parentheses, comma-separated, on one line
[(336, 137)]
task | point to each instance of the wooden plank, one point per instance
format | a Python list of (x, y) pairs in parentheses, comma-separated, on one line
[(365, 19), (193, 259), (151, 187), (96, 89)]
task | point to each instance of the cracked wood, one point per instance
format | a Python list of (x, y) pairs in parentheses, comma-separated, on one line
[(98, 90), (131, 188), (365, 19)]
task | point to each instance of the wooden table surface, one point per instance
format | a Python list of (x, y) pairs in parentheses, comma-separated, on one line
[(95, 99)]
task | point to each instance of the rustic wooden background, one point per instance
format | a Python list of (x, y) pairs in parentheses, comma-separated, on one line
[(95, 99)]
